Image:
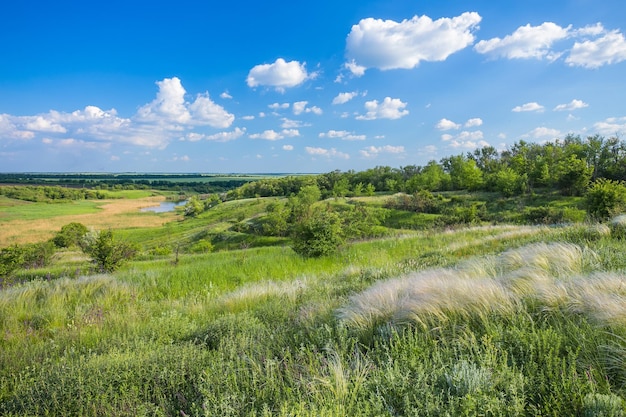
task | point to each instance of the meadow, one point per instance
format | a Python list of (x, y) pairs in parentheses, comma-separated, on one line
[(491, 316)]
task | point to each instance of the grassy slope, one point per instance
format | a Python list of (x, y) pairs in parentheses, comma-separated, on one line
[(262, 331)]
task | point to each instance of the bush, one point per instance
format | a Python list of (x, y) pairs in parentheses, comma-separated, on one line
[(201, 246), (605, 198), (107, 253), (319, 235), (70, 235)]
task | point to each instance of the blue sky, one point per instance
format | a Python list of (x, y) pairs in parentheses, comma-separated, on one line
[(278, 86)]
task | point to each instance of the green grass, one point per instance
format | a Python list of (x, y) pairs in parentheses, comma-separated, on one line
[(485, 320), (13, 210)]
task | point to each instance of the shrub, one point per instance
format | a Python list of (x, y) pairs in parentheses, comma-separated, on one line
[(106, 252), (605, 198), (319, 235), (201, 246), (70, 235)]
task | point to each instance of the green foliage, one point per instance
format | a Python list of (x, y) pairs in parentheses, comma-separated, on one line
[(106, 252), (508, 182), (70, 235), (201, 246), (11, 258), (193, 207), (605, 198), (420, 202), (318, 235)]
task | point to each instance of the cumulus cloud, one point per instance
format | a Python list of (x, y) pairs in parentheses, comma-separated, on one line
[(572, 105), (328, 153), (609, 49), (611, 126), (465, 140), (445, 124), (225, 95), (341, 134), (543, 133), (390, 108), (226, 136), (300, 107), (355, 69), (287, 148), (43, 124), (291, 124), (278, 106), (526, 42), (475, 122), (373, 151), (387, 44), (280, 74), (273, 135), (534, 106), (343, 98), (170, 107)]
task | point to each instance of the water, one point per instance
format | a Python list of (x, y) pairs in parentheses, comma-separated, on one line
[(164, 207)]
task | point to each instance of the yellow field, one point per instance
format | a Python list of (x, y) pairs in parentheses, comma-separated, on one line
[(113, 214)]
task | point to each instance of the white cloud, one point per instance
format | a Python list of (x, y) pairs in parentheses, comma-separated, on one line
[(290, 133), (329, 153), (273, 135), (170, 107), (287, 148), (475, 122), (572, 105), (465, 140), (341, 134), (609, 49), (300, 107), (611, 126), (279, 75), (386, 44), (205, 112), (291, 124), (225, 95), (445, 124), (267, 135), (528, 107), (373, 151), (249, 117), (390, 108), (526, 42), (278, 106), (343, 98), (42, 124), (355, 70), (543, 133), (226, 136)]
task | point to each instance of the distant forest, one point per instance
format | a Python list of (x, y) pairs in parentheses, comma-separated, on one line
[(569, 165)]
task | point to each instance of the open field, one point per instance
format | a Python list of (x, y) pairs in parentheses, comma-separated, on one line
[(26, 222)]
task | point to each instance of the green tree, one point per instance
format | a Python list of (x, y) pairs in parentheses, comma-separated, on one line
[(107, 252), (464, 174), (509, 182)]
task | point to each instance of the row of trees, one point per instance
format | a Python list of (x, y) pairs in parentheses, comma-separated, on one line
[(568, 165)]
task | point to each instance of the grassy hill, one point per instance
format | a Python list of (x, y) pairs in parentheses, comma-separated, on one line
[(472, 310)]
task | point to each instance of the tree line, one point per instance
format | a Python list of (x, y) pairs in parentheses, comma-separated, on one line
[(569, 166)]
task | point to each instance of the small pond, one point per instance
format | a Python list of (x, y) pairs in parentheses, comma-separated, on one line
[(164, 207)]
